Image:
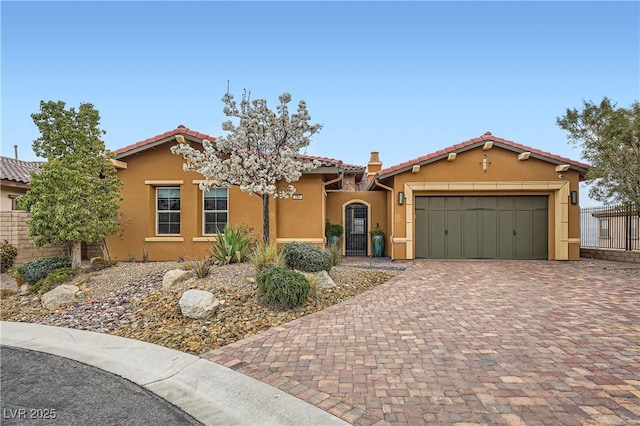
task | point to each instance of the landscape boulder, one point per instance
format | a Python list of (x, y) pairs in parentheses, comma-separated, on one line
[(174, 277), (322, 278), (198, 304), (62, 295)]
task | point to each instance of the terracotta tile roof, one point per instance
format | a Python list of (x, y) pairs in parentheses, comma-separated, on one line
[(353, 168), (163, 137), (17, 170), (324, 161), (182, 130), (487, 137)]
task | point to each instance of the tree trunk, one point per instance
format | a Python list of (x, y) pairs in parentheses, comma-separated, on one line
[(265, 218), (76, 254)]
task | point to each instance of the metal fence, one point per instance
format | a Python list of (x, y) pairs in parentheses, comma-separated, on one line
[(614, 227)]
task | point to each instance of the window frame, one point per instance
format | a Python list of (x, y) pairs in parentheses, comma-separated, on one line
[(14, 201), (607, 228), (205, 211), (158, 211)]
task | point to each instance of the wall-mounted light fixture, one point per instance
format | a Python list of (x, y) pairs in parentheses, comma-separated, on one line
[(401, 198), (574, 197)]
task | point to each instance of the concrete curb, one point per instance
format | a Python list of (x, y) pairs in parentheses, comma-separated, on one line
[(209, 392)]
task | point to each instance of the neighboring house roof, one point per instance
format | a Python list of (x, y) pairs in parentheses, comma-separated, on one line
[(19, 171), (198, 137), (473, 143)]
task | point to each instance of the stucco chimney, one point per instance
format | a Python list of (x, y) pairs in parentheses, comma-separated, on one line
[(374, 165)]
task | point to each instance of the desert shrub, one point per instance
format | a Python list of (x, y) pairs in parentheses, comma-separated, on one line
[(265, 256), (99, 263), (232, 246), (35, 270), (306, 257), (314, 284), (51, 281), (335, 255), (8, 254), (200, 267), (282, 287), (17, 276)]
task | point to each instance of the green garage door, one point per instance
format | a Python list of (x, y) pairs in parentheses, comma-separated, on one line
[(482, 227)]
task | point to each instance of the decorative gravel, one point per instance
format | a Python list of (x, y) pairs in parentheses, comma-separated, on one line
[(128, 300)]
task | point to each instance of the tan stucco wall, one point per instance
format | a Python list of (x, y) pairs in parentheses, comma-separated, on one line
[(289, 219), (302, 220), (505, 175), (7, 192)]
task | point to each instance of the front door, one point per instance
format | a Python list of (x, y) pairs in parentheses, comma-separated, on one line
[(356, 227)]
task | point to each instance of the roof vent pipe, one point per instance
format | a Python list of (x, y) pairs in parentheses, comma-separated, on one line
[(15, 150)]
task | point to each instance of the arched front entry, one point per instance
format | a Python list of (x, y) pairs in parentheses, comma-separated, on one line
[(356, 224)]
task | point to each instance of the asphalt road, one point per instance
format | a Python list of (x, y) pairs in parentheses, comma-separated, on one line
[(37, 388)]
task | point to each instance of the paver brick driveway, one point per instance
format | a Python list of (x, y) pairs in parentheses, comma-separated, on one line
[(470, 342)]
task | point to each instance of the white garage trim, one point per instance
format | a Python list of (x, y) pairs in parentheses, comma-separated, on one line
[(561, 204)]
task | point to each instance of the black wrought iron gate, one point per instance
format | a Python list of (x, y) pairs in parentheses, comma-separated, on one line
[(356, 227)]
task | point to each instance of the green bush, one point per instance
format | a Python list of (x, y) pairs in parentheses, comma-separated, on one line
[(8, 254), (232, 246), (51, 281), (265, 256), (333, 230), (35, 270), (306, 257), (282, 287)]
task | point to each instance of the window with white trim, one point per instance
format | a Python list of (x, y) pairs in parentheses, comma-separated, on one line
[(168, 211), (215, 211)]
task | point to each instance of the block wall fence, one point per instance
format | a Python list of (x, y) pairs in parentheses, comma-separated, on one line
[(611, 254), (13, 228)]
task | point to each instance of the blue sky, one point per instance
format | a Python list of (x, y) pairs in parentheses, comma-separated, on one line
[(401, 78)]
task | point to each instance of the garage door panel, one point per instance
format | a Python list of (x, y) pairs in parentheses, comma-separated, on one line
[(505, 203), (436, 236), (454, 203), (540, 241), (471, 232), (470, 203), (523, 235), (436, 203), (523, 203), (488, 203), (540, 203), (453, 234), (422, 231), (489, 237), (505, 234)]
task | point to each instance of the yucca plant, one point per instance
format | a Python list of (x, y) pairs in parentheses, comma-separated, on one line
[(232, 246)]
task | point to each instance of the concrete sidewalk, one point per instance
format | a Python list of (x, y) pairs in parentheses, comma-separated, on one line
[(208, 392)]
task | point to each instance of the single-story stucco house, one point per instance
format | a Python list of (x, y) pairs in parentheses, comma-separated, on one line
[(15, 177), (487, 197)]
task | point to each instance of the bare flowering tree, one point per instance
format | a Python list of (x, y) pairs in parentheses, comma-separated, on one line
[(261, 152)]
